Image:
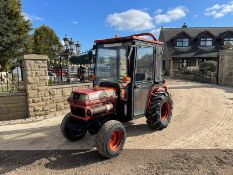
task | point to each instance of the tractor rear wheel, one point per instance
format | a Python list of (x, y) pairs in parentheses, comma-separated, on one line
[(111, 139), (73, 129), (159, 112)]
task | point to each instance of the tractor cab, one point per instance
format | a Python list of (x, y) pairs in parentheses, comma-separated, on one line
[(132, 65)]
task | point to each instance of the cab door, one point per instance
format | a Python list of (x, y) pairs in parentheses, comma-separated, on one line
[(143, 76)]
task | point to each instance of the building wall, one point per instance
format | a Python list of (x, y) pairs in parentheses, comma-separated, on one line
[(13, 106)]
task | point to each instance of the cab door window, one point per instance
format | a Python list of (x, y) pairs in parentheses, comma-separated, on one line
[(144, 68), (159, 64)]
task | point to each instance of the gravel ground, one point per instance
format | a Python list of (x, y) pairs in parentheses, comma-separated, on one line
[(199, 140)]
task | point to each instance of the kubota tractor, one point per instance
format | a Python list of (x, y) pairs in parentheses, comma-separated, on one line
[(128, 84)]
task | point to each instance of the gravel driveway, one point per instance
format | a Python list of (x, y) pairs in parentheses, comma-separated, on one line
[(199, 140)]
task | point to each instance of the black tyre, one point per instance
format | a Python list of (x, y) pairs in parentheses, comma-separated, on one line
[(73, 129), (111, 139), (159, 112)]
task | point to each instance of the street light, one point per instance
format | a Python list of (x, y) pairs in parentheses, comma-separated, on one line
[(71, 48)]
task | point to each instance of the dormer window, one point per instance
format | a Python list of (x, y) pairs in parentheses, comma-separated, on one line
[(228, 40), (206, 42), (182, 42)]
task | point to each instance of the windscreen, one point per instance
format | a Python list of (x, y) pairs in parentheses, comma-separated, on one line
[(111, 62)]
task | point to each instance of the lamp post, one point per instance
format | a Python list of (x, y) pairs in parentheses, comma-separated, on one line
[(71, 48)]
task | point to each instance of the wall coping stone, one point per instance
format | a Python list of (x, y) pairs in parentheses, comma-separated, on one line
[(12, 94), (35, 57)]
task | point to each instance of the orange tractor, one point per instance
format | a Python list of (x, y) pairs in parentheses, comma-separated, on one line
[(128, 84)]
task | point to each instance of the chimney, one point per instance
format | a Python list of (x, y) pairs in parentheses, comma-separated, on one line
[(184, 26)]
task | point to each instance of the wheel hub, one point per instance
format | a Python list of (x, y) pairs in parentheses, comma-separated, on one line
[(165, 111), (115, 140)]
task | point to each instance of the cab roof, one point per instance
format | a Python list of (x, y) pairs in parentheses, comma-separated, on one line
[(139, 37)]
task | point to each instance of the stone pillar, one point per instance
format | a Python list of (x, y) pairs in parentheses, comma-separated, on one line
[(35, 72), (225, 75), (172, 68)]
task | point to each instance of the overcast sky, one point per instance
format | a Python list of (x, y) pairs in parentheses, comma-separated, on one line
[(87, 20)]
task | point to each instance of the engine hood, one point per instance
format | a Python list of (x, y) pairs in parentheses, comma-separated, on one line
[(95, 93)]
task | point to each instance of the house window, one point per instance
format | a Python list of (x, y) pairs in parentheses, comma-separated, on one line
[(228, 40), (206, 42), (184, 63), (182, 42)]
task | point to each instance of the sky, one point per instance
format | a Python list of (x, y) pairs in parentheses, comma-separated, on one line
[(88, 20)]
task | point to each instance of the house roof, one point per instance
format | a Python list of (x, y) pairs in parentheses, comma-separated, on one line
[(168, 36), (169, 33)]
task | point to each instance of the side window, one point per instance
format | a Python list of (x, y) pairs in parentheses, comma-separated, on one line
[(159, 64), (123, 63), (144, 69)]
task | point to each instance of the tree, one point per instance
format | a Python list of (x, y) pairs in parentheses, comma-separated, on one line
[(13, 30), (44, 38)]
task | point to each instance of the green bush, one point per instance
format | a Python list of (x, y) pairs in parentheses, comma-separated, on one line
[(208, 68)]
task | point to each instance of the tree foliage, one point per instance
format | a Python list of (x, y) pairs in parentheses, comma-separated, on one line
[(44, 38), (208, 68), (13, 30)]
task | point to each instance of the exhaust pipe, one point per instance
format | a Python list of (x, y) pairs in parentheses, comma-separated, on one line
[(100, 109)]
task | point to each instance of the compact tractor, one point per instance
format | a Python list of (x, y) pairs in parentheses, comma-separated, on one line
[(128, 84)]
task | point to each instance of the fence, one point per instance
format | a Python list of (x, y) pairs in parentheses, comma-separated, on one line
[(77, 74), (12, 80)]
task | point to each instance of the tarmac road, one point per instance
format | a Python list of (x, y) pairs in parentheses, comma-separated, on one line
[(199, 140)]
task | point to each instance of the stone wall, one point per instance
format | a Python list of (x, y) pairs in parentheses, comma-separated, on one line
[(43, 99), (13, 106), (197, 78), (226, 67), (58, 96)]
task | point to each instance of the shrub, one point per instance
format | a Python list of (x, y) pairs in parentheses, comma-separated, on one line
[(208, 68)]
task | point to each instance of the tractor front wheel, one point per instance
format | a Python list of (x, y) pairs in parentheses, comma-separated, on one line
[(159, 112), (111, 139), (73, 129)]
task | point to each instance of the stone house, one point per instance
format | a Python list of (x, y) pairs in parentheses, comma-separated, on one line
[(190, 46)]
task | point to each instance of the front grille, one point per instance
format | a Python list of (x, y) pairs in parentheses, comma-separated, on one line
[(80, 112)]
